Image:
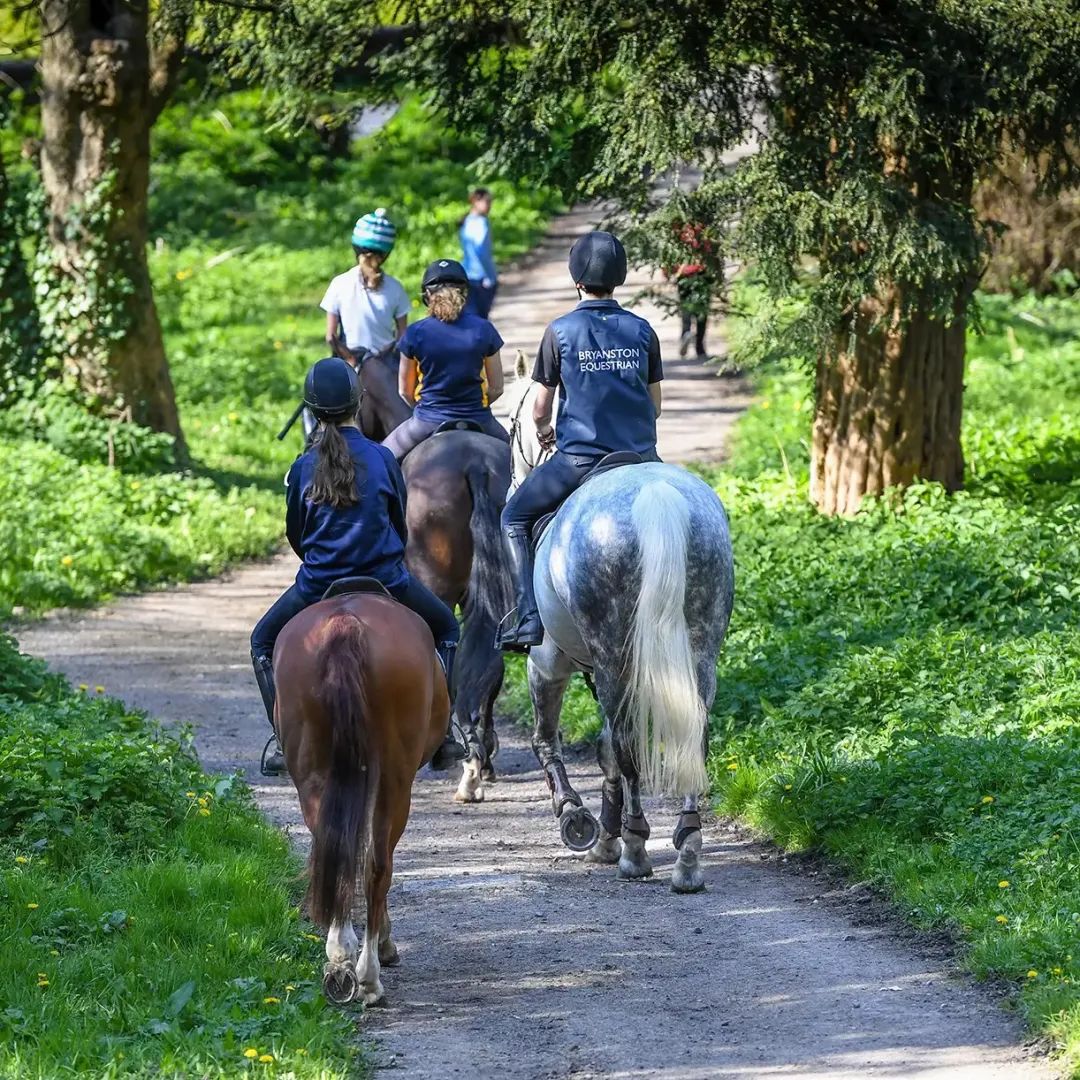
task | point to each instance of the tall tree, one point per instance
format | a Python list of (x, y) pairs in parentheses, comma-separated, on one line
[(104, 82), (881, 117)]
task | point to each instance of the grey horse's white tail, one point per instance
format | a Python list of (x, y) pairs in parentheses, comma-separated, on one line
[(662, 701)]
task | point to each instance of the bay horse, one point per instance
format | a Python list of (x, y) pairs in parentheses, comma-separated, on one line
[(457, 482), (361, 705), (634, 581)]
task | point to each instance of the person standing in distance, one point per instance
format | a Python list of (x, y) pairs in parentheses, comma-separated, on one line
[(605, 362), (365, 305), (477, 258)]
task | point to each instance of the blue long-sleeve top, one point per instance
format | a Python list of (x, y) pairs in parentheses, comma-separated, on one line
[(366, 539), (476, 254)]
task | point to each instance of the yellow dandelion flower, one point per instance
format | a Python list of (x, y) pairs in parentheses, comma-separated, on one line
[(54, 952), (202, 800), (190, 794), (765, 404), (135, 485), (1001, 919), (42, 983), (99, 689), (83, 687), (266, 1058), (42, 975), (1033, 974), (22, 860), (986, 800), (733, 767), (271, 1001), (32, 907), (67, 560), (251, 1052), (301, 1051), (1003, 884), (1055, 971), (233, 417), (278, 345), (203, 812), (290, 987), (313, 937)]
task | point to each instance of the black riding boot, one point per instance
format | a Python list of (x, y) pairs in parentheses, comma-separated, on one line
[(273, 760), (527, 630), (451, 751)]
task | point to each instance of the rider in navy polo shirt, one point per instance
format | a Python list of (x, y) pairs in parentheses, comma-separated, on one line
[(452, 358), (605, 363)]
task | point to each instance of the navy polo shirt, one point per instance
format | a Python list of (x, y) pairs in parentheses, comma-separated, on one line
[(451, 360), (366, 539)]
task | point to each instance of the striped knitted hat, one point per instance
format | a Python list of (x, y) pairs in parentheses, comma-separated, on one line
[(374, 232)]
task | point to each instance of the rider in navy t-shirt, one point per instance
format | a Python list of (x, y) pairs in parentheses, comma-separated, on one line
[(605, 363), (450, 363)]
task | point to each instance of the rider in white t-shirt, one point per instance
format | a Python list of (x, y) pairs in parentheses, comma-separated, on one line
[(369, 308)]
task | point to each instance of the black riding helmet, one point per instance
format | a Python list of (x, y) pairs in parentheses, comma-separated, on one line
[(444, 272), (331, 389), (598, 262)]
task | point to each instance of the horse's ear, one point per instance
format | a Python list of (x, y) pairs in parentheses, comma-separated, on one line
[(520, 365)]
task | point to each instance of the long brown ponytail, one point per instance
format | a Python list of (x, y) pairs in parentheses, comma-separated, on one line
[(335, 481)]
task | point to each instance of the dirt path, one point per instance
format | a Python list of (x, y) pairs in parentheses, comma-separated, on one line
[(517, 960)]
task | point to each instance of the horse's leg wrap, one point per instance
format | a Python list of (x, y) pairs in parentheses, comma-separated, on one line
[(636, 825), (689, 821), (562, 793), (611, 810)]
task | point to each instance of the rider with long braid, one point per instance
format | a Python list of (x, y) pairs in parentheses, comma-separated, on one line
[(345, 517), (450, 363), (604, 361)]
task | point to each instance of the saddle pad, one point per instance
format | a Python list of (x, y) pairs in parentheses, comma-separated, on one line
[(457, 425)]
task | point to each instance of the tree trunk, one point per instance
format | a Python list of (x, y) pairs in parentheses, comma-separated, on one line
[(102, 89), (887, 406)]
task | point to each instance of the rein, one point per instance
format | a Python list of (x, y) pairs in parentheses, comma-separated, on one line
[(517, 439)]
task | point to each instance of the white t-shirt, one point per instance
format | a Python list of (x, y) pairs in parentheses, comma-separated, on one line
[(367, 315)]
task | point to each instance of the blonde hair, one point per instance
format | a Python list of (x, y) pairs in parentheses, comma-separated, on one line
[(370, 263), (447, 302)]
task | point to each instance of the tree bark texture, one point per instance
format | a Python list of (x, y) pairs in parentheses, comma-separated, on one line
[(102, 89), (887, 406)]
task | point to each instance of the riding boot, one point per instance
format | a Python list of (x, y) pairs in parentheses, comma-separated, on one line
[(528, 629), (273, 760), (452, 750)]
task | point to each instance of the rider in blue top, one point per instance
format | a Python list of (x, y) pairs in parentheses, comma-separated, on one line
[(345, 517), (476, 254), (450, 363), (605, 363)]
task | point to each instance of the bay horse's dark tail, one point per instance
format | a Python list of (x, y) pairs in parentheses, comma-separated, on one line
[(488, 597), (339, 838)]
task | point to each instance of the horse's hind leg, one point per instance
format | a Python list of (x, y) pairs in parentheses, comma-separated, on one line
[(634, 862), (377, 876), (609, 847), (687, 875), (480, 732), (549, 673)]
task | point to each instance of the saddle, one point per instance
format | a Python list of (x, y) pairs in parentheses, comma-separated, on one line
[(605, 464), (458, 425), (344, 586)]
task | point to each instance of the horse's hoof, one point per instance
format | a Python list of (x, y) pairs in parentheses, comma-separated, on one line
[(476, 796), (388, 954), (374, 998), (687, 879), (606, 852), (578, 828), (487, 774), (340, 983)]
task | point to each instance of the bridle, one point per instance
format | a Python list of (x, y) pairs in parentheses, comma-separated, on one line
[(517, 440)]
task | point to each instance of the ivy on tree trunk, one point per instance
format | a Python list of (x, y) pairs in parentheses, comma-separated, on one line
[(103, 85)]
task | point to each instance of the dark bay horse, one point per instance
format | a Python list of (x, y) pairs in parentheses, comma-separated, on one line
[(457, 482), (361, 705)]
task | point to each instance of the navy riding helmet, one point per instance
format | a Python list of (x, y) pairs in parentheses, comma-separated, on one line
[(444, 272), (331, 389), (598, 262)]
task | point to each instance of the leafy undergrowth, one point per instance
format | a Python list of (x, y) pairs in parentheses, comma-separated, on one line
[(902, 690), (248, 227), (148, 915)]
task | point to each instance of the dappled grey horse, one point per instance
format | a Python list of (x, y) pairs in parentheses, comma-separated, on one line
[(634, 581)]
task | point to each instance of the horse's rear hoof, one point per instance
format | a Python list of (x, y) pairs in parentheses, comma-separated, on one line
[(476, 796), (340, 983), (606, 852), (487, 774), (578, 828)]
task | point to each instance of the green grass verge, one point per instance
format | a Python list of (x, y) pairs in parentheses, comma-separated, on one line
[(248, 227), (902, 690), (148, 915)]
